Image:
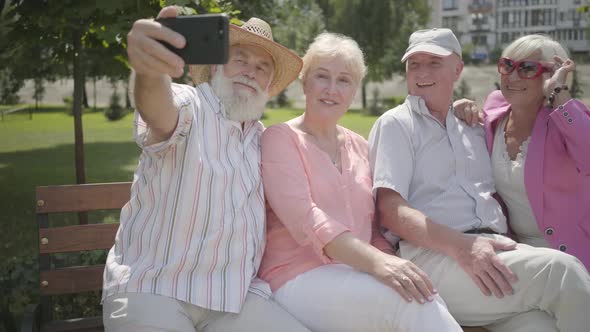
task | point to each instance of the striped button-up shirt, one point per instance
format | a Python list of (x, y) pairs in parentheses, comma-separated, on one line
[(194, 227), (442, 170)]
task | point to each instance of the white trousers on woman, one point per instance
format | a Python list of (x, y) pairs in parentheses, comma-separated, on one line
[(336, 297)]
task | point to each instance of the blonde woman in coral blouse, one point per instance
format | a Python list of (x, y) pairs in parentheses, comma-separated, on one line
[(325, 260)]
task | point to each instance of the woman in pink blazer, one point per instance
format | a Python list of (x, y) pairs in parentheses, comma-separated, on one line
[(538, 137)]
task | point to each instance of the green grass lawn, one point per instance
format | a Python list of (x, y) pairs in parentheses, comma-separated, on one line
[(41, 152)]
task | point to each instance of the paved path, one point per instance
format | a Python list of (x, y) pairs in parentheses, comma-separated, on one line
[(480, 80)]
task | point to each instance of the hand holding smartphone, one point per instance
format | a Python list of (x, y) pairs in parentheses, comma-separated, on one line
[(207, 38)]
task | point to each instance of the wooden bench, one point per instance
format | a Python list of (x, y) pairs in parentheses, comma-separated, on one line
[(66, 239), (78, 238)]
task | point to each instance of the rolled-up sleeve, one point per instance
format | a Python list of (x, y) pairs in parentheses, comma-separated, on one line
[(288, 192), (185, 102), (391, 155)]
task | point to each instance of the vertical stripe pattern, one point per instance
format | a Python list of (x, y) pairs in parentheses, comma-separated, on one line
[(194, 227)]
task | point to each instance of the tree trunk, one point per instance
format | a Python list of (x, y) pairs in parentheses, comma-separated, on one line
[(84, 94), (77, 110), (94, 91), (127, 100), (364, 95)]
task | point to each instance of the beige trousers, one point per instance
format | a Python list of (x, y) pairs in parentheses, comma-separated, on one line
[(148, 312), (552, 293)]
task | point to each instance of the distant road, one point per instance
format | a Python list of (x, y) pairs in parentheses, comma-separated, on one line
[(480, 80)]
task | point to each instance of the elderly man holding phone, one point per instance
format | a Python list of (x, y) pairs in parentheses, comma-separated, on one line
[(192, 235)]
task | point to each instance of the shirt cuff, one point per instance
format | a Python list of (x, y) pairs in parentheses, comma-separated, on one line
[(323, 234), (142, 130)]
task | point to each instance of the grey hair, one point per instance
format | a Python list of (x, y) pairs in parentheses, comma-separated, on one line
[(526, 46), (330, 45)]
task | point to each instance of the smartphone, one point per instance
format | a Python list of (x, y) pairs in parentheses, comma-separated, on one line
[(207, 38)]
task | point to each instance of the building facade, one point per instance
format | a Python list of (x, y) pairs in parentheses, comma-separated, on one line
[(485, 26)]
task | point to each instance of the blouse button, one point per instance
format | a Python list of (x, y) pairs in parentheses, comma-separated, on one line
[(549, 231), (566, 114), (562, 247)]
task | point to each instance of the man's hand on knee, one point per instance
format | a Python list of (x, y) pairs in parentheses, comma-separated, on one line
[(477, 256)]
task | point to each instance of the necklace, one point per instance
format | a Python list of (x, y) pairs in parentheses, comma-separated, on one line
[(332, 151)]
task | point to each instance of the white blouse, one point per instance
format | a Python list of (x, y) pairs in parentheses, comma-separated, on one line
[(509, 179)]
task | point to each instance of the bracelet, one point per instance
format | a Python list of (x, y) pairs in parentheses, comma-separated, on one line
[(555, 92)]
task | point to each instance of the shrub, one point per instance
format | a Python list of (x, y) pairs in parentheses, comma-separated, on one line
[(115, 111), (391, 102), (18, 281)]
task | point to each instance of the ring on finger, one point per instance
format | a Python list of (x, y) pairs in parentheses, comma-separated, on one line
[(405, 279)]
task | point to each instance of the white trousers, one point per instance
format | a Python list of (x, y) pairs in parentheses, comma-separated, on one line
[(148, 312), (338, 298), (552, 292)]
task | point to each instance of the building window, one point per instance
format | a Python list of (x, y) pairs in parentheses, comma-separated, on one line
[(451, 22), (450, 4), (540, 17), (504, 19), (505, 37), (479, 40)]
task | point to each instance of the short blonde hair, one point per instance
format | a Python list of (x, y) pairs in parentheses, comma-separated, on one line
[(329, 45), (525, 46)]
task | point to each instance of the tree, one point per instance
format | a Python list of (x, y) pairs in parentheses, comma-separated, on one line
[(381, 28), (576, 88), (462, 91), (77, 39)]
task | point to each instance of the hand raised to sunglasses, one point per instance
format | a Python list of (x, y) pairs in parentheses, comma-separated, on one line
[(560, 68)]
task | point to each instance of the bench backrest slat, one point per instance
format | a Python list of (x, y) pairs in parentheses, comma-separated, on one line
[(71, 280), (84, 197), (76, 238)]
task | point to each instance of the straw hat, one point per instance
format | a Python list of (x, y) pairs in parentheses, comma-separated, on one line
[(257, 32)]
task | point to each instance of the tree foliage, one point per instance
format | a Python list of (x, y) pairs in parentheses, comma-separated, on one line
[(381, 28)]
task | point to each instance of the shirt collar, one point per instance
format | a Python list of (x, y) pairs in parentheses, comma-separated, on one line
[(417, 104)]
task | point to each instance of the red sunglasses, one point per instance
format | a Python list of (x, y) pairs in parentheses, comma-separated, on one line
[(526, 69)]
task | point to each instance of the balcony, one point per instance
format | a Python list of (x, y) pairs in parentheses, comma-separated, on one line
[(480, 7)]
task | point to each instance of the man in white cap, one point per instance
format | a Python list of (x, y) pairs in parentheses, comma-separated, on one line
[(434, 188), (192, 235)]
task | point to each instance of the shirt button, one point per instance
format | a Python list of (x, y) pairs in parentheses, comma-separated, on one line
[(549, 231), (562, 247), (566, 114), (570, 120), (560, 107)]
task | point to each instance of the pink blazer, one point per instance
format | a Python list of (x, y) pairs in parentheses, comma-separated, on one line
[(556, 171)]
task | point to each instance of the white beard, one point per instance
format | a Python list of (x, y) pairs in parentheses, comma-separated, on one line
[(241, 105)]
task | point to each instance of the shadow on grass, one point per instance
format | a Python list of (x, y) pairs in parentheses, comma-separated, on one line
[(22, 171)]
